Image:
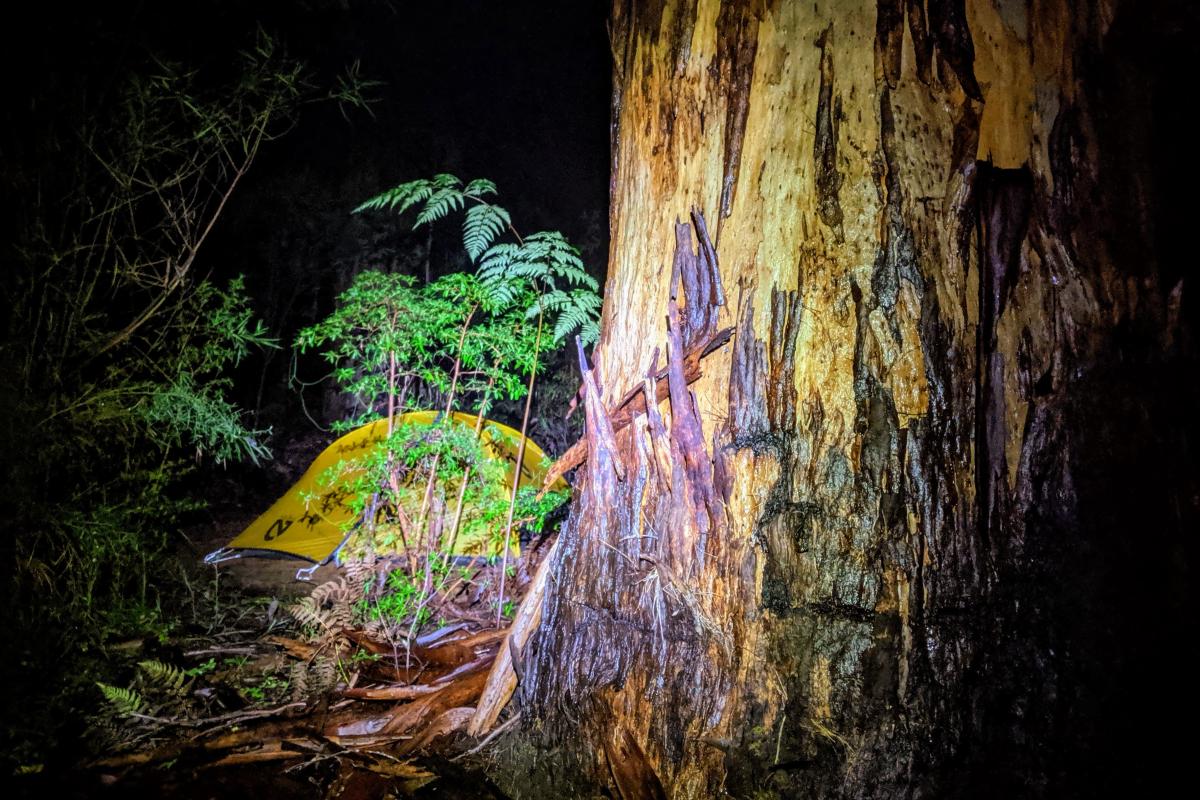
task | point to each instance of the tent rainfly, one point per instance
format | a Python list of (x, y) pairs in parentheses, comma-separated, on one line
[(315, 531)]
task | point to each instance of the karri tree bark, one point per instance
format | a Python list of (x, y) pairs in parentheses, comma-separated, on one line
[(918, 525)]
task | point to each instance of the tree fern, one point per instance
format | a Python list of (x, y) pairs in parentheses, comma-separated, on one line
[(544, 260), (564, 295)]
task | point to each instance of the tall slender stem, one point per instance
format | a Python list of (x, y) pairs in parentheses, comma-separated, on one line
[(462, 490), (512, 500)]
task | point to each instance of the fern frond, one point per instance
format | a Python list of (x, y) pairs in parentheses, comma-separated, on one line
[(377, 629), (444, 180), (580, 312), (589, 333), (298, 681), (404, 196), (165, 676), (530, 267), (551, 301), (334, 592), (501, 292), (572, 270), (323, 674), (124, 701), (482, 225), (493, 266), (306, 612), (360, 573), (439, 204), (479, 187)]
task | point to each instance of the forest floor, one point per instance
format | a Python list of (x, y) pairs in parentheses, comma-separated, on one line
[(243, 700)]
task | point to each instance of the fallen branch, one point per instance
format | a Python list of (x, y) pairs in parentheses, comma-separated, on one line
[(218, 651), (224, 719)]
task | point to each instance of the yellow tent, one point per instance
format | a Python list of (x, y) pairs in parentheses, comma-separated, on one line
[(314, 531)]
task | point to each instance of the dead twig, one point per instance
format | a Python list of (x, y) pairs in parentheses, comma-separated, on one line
[(501, 728)]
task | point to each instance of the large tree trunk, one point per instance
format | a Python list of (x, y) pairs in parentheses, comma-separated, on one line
[(896, 540)]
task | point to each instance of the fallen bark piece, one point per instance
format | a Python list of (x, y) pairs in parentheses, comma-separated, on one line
[(405, 770), (449, 721), (270, 751), (502, 680), (389, 692), (461, 692), (294, 647), (631, 771), (292, 731), (359, 728), (484, 638)]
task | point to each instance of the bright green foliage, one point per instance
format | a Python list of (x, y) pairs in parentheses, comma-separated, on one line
[(378, 341), (426, 490), (395, 346), (399, 601), (215, 331), (123, 701), (544, 262)]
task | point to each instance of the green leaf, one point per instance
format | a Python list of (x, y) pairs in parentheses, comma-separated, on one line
[(480, 187), (439, 204), (482, 225), (124, 701)]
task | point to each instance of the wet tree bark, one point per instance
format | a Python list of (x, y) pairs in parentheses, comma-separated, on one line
[(923, 526)]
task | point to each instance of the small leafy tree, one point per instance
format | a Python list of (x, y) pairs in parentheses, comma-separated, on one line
[(542, 263), (393, 346)]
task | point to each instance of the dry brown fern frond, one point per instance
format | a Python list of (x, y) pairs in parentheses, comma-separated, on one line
[(361, 574), (298, 681), (335, 592), (327, 611)]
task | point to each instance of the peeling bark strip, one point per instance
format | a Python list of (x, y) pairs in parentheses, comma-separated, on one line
[(918, 28), (631, 772), (703, 296), (786, 315), (661, 531), (604, 463), (1005, 198), (948, 22), (825, 143), (737, 46), (687, 445), (502, 679), (633, 403), (889, 39)]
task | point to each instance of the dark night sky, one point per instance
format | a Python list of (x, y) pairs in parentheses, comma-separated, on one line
[(517, 88)]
